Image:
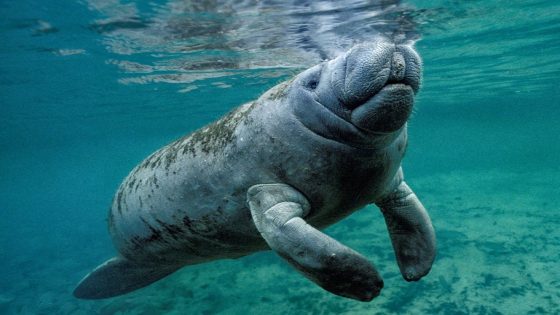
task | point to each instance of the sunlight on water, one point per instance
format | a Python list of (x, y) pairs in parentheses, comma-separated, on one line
[(89, 88), (185, 42)]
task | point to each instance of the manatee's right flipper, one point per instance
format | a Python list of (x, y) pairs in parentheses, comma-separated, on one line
[(119, 276), (411, 232), (278, 212)]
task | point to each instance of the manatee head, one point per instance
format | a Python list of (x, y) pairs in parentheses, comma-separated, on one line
[(360, 97)]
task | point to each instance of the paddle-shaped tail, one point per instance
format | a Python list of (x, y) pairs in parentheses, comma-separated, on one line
[(118, 276)]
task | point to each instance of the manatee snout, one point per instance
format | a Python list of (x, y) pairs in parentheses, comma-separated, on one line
[(377, 82)]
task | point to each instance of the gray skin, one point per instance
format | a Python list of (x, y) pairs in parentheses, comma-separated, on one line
[(272, 173)]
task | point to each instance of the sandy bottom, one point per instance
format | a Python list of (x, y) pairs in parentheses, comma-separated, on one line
[(498, 253)]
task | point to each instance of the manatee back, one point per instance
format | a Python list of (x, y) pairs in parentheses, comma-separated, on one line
[(186, 201)]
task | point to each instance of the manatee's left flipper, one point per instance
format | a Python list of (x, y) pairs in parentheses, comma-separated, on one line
[(411, 232), (278, 212)]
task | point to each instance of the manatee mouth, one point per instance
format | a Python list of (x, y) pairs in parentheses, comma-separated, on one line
[(377, 83), (387, 111)]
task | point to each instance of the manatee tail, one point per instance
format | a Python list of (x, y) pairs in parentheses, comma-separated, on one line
[(118, 276)]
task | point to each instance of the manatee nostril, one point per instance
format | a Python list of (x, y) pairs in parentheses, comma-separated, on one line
[(412, 67)]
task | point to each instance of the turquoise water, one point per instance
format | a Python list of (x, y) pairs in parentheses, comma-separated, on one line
[(89, 88)]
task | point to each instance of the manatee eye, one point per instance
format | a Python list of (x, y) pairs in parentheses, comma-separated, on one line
[(312, 84), (311, 79)]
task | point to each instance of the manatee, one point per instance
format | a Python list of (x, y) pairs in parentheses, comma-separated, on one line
[(274, 172)]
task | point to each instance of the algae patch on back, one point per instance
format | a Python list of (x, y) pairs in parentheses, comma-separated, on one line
[(212, 139), (278, 91), (215, 137)]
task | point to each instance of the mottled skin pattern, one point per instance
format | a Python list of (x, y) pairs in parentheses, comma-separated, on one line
[(334, 135)]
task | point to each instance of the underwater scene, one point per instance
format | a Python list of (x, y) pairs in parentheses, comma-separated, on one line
[(90, 88)]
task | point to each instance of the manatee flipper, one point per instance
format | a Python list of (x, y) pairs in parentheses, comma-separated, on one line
[(411, 232), (278, 211), (118, 276)]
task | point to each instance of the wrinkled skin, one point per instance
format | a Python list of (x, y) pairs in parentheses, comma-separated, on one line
[(272, 173)]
